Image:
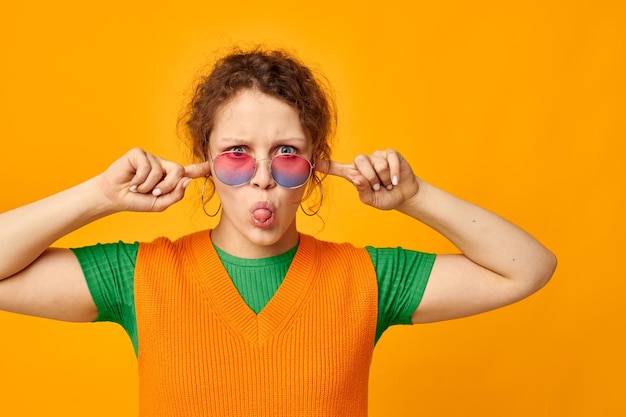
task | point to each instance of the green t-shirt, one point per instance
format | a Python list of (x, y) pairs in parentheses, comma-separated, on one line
[(109, 272)]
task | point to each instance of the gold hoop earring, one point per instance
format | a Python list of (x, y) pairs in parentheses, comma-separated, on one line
[(203, 202), (319, 206)]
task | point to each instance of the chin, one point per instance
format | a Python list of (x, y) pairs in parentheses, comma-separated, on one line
[(274, 236)]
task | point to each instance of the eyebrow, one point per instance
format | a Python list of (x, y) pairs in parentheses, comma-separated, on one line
[(246, 141)]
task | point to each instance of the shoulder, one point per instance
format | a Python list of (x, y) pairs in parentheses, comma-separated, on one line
[(187, 242), (342, 253), (165, 251), (323, 246)]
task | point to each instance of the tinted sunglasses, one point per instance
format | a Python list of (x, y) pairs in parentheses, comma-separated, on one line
[(237, 168)]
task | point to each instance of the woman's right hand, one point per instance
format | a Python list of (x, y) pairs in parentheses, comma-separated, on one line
[(140, 181), (41, 281)]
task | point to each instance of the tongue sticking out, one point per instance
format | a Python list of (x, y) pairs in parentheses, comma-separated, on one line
[(261, 215)]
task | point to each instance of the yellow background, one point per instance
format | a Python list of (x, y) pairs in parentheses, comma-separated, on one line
[(518, 106)]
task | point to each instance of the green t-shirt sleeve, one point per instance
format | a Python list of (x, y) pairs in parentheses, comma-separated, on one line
[(402, 277), (109, 271)]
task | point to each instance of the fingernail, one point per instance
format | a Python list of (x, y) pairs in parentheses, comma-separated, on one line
[(133, 189), (390, 187), (376, 187), (394, 180), (156, 192), (186, 183), (355, 182)]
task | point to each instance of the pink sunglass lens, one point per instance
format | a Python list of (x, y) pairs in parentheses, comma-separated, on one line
[(290, 171), (234, 168)]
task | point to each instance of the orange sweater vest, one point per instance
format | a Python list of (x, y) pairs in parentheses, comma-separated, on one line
[(203, 352)]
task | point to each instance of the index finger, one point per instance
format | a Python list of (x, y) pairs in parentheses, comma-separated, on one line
[(329, 167), (198, 170)]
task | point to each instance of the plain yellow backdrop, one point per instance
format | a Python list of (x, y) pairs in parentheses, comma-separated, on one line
[(517, 106)]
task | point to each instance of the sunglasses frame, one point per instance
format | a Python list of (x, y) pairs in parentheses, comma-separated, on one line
[(270, 160)]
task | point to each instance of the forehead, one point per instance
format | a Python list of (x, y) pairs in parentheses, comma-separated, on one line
[(253, 116)]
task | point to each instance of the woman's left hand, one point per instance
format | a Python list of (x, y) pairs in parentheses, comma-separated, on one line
[(384, 179)]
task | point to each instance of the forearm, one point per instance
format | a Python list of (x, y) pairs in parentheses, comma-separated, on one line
[(482, 236), (29, 230)]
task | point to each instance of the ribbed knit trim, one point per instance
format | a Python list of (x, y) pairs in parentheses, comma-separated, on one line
[(227, 301)]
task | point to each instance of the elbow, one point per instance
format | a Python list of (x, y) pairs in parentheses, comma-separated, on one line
[(542, 272), (549, 267), (535, 275)]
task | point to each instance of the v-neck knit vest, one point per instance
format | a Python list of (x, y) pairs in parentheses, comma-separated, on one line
[(203, 352)]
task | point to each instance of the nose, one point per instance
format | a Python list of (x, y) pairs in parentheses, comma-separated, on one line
[(262, 177)]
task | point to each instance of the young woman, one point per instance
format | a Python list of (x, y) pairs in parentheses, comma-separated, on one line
[(252, 317)]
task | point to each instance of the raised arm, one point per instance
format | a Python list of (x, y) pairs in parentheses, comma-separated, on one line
[(499, 262), (47, 282)]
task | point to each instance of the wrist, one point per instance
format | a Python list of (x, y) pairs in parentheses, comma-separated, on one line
[(414, 204), (93, 198)]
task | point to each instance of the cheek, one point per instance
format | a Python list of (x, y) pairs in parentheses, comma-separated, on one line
[(294, 198), (226, 195)]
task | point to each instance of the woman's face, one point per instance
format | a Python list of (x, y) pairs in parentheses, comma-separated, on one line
[(258, 217)]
